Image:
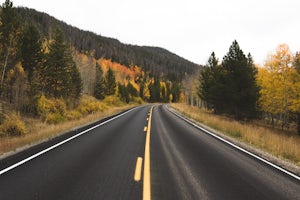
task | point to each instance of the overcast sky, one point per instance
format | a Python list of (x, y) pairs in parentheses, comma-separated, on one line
[(190, 28)]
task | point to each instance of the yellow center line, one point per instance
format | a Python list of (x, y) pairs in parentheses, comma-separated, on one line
[(138, 169), (146, 178)]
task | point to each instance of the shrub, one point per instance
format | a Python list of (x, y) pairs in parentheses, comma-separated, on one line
[(73, 114), (88, 105), (138, 100), (13, 126), (55, 118), (52, 110), (113, 101)]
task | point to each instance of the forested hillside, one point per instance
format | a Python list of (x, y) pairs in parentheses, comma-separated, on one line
[(158, 61), (54, 72)]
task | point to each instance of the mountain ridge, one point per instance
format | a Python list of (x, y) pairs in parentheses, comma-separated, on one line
[(155, 60)]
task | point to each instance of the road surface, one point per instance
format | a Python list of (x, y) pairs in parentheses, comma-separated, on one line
[(101, 163)]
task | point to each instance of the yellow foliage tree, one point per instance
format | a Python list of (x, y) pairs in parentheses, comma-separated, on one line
[(279, 83), (16, 86)]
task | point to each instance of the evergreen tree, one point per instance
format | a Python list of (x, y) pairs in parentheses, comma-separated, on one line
[(151, 92), (168, 90), (76, 82), (163, 94), (210, 87), (132, 90), (230, 88), (297, 67), (110, 83), (142, 88), (32, 57), (60, 68), (240, 91), (175, 92), (123, 93), (154, 89), (9, 34), (99, 91)]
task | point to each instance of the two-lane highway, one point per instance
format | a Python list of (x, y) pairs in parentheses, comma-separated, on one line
[(185, 163)]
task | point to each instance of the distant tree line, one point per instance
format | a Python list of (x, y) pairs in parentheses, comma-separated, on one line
[(159, 91)]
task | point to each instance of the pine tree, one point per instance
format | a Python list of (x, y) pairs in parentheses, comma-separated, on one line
[(168, 91), (99, 91), (123, 93), (154, 89), (142, 89), (132, 90), (31, 50), (9, 34), (60, 68), (110, 83), (163, 94), (210, 87), (240, 94), (76, 83), (230, 88), (32, 57), (175, 92)]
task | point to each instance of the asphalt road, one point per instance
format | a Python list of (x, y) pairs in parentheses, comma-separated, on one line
[(185, 163)]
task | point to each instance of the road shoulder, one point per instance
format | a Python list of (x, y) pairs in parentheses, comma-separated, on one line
[(263, 154)]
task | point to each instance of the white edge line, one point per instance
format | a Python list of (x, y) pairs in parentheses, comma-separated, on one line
[(237, 147), (61, 143)]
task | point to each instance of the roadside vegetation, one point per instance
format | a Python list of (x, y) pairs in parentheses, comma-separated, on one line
[(281, 144), (18, 131), (258, 105)]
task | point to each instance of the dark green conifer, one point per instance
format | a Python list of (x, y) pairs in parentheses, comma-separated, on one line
[(110, 83), (99, 91)]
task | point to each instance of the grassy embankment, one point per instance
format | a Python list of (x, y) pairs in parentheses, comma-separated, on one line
[(37, 129), (282, 145)]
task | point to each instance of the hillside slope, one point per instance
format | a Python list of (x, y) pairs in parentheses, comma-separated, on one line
[(154, 60)]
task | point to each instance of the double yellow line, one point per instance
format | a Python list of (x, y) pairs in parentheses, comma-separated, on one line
[(146, 182), (138, 168)]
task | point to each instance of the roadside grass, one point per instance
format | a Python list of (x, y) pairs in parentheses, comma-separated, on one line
[(284, 146), (38, 130)]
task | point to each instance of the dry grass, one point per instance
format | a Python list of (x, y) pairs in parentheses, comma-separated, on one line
[(286, 146), (38, 130)]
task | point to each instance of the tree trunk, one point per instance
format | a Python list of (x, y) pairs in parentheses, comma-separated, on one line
[(5, 63), (298, 119), (273, 124)]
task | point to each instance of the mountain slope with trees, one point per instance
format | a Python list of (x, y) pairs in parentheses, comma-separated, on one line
[(54, 72), (158, 61)]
